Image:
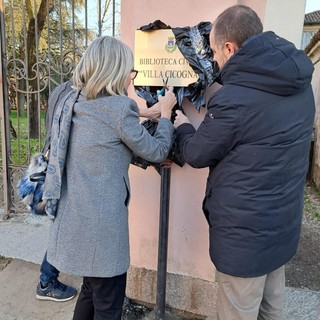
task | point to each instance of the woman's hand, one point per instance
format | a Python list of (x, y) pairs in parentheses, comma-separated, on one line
[(167, 102), (162, 108)]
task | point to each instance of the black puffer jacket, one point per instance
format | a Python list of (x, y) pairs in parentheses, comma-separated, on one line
[(255, 138)]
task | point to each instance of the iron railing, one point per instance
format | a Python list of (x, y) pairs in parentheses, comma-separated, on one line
[(41, 42)]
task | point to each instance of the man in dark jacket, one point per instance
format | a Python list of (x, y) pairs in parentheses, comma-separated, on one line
[(255, 139)]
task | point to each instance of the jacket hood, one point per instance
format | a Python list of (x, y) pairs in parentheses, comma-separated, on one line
[(270, 63)]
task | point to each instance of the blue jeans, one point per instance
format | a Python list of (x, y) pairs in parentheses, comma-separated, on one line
[(48, 273)]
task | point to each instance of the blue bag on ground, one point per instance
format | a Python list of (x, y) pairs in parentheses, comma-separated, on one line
[(30, 186)]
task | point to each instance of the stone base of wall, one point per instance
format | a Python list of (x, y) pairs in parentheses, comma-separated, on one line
[(186, 296)]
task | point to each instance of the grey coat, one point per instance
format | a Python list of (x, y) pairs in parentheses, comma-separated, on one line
[(89, 236)]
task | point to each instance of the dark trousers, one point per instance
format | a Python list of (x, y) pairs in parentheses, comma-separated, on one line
[(101, 298)]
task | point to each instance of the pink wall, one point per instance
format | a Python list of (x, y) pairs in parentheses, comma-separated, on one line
[(188, 234)]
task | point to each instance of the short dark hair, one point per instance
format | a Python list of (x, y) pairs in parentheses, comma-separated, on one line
[(236, 24)]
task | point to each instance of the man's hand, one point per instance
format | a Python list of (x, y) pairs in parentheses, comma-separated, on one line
[(180, 119), (152, 113)]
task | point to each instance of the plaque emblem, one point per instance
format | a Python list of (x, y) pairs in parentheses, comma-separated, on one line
[(171, 45)]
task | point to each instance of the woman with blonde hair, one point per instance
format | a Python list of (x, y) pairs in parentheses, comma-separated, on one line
[(95, 131)]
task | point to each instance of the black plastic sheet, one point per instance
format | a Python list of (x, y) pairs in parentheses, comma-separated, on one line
[(193, 43), (156, 25)]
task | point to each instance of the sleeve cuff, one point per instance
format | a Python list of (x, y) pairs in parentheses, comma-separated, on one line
[(185, 128)]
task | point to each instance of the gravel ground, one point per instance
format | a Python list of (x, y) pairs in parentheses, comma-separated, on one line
[(134, 311), (303, 271)]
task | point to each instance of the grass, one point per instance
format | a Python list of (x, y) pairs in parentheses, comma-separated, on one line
[(312, 200), (22, 147)]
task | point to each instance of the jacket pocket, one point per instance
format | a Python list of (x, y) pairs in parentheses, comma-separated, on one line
[(128, 196)]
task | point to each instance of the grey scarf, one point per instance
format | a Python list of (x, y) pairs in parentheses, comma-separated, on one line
[(60, 132)]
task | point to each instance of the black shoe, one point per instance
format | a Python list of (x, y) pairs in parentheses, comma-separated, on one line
[(55, 291)]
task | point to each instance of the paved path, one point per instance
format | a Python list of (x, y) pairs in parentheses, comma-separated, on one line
[(17, 295)]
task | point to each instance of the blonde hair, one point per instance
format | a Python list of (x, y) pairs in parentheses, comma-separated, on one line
[(103, 68)]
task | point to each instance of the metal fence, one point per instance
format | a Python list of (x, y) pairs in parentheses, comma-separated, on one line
[(41, 42)]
